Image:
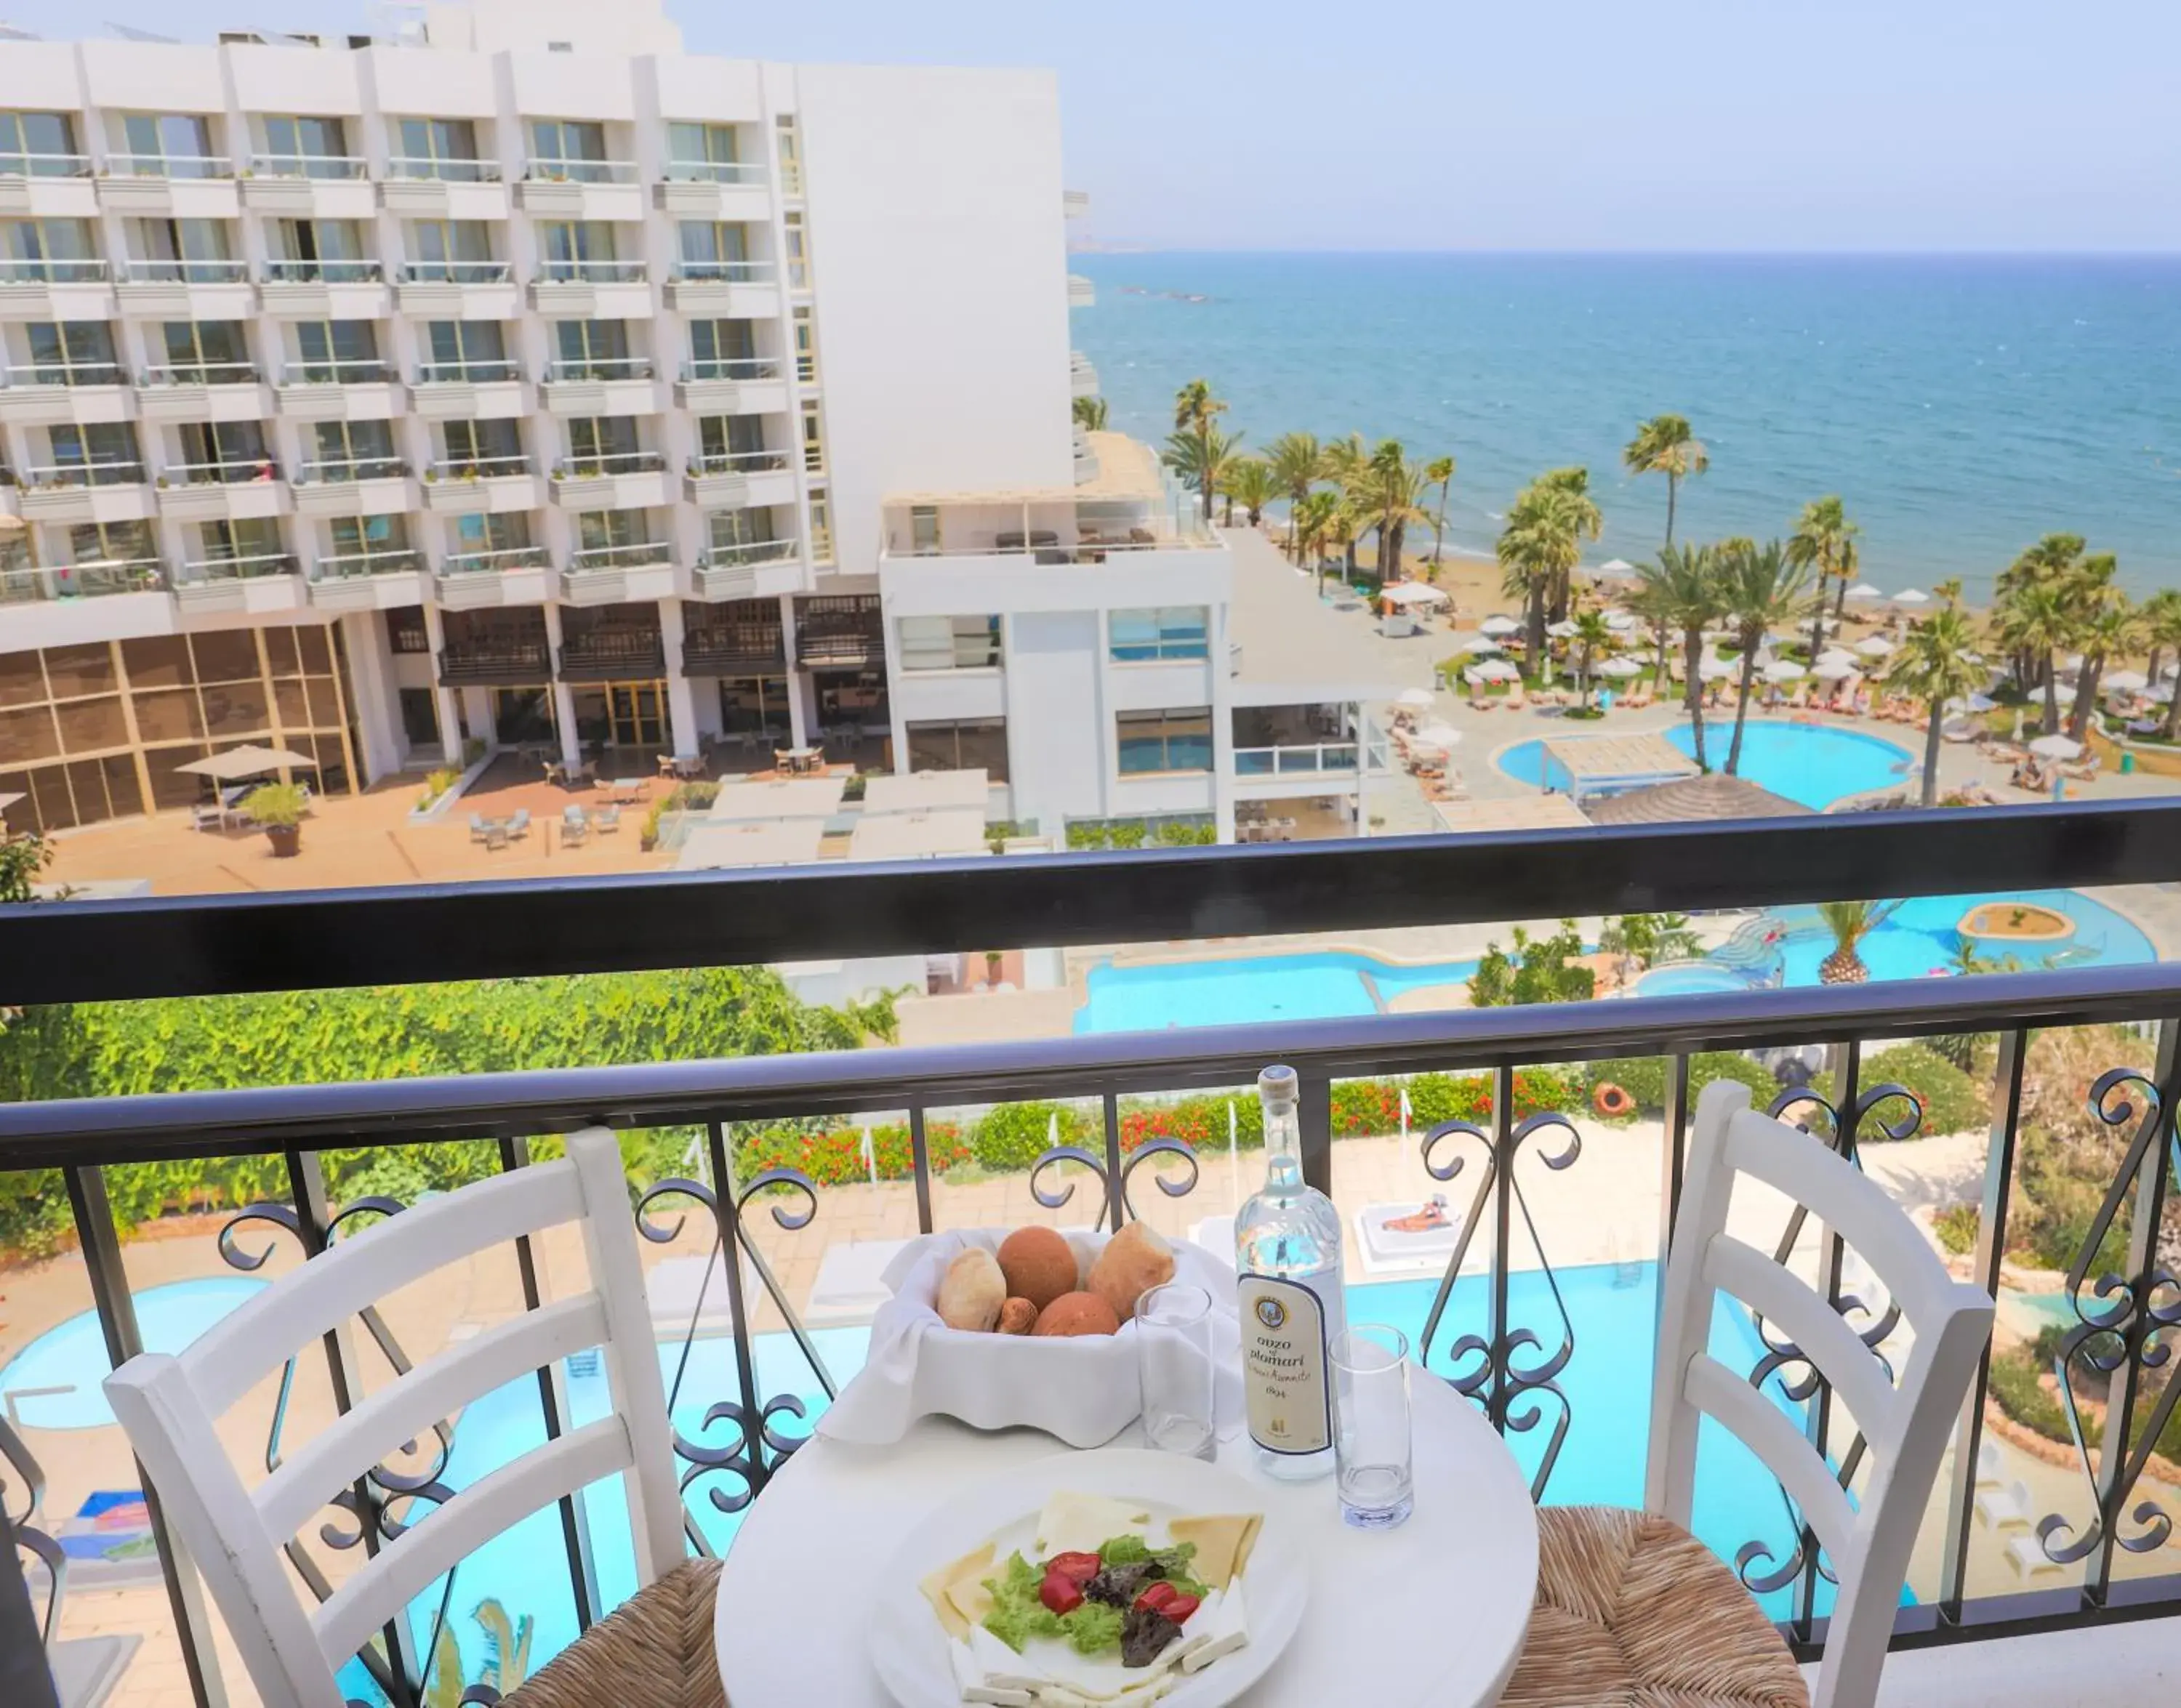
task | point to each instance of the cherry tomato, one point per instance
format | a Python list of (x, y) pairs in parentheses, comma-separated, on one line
[(1077, 1569), (1180, 1608), (1155, 1596), (1061, 1595)]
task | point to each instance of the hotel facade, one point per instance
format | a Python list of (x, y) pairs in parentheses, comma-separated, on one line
[(521, 382)]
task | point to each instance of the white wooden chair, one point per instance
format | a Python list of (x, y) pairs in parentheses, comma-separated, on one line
[(170, 1405), (1629, 1602)]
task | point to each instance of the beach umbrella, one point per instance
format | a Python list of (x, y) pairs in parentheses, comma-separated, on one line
[(239, 762), (2056, 747), (1715, 669), (1561, 632), (1911, 596), (1874, 646), (1836, 655), (1420, 698), (1479, 643), (1616, 566), (1496, 626), (2125, 681), (1830, 668), (1621, 669), (1864, 590), (1974, 702), (2163, 694), (1620, 622), (1441, 736), (1492, 670), (1784, 670)]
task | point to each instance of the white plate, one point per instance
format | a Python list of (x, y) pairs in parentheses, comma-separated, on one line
[(908, 1646)]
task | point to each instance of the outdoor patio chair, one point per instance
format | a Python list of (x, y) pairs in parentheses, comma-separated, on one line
[(574, 825), (170, 1406), (479, 831), (207, 815), (606, 820), (519, 825), (1631, 1606)]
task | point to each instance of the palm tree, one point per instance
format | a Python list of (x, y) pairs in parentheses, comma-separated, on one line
[(1934, 665), (1575, 484), (1250, 484), (1296, 463), (1664, 445), (1759, 589), (1850, 922), (1439, 472), (2161, 628), (1202, 460), (1950, 590), (2037, 621), (1683, 585), (1090, 414), (1312, 520), (1591, 636), (1541, 542), (1824, 539), (2112, 630), (1390, 489), (1196, 411), (1346, 465)]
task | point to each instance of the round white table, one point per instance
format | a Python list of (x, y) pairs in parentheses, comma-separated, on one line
[(1431, 1615)]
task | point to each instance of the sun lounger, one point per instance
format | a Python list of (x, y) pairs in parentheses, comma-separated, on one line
[(1989, 1464), (2026, 1554), (2004, 1509), (1518, 699), (209, 816)]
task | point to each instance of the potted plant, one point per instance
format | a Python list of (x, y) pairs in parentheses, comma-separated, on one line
[(278, 809)]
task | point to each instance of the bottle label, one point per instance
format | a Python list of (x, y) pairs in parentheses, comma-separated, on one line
[(1284, 1389)]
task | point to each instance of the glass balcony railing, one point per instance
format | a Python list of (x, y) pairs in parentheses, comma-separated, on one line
[(343, 566), (84, 581), (456, 272), (335, 167), (342, 470), (494, 562), (53, 270), (582, 171), (478, 372), (207, 571), (730, 367), (478, 468), (68, 375), (746, 553), (636, 554), (425, 169), (197, 373), (241, 472), (608, 463), (591, 272), (363, 370), (190, 272), (724, 271), (44, 166), (750, 171), (737, 462), (599, 367), (319, 271), (118, 473), (172, 166), (1323, 757)]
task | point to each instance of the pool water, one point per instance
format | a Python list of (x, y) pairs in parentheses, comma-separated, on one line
[(1814, 764), (1236, 991), (1695, 980), (1919, 940), (72, 1356)]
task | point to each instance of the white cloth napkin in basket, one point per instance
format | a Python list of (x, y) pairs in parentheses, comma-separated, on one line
[(1082, 1388)]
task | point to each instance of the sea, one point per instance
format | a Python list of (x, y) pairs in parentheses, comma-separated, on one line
[(1963, 407)]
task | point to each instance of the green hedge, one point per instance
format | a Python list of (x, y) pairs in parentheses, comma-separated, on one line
[(1014, 1135), (1643, 1077), (1957, 1227), (1952, 1102)]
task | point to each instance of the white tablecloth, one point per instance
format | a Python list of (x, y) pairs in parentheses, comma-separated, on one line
[(1429, 1616)]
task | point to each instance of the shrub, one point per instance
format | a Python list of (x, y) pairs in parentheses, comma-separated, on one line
[(1955, 1226), (1951, 1101), (1188, 835), (2015, 1386), (832, 1154), (1546, 970), (276, 805), (437, 784), (1014, 1135), (1643, 1077)]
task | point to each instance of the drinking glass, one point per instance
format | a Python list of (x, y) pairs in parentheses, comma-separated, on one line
[(1371, 1424), (1173, 1363)]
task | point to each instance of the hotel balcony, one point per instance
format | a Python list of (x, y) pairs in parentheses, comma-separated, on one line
[(355, 487), (351, 390), (721, 646), (591, 290), (622, 481), (458, 290), (632, 653), (482, 485), (732, 385), (480, 580), (619, 575), (430, 189), (223, 491), (764, 569), (839, 634), (367, 581), (201, 290), (715, 191), (253, 586), (324, 290), (214, 391), (740, 479), (585, 190), (55, 290), (725, 289), (169, 186), (52, 583), (602, 386), (1519, 1237), (81, 393), (469, 391), (1081, 293), (47, 186), (82, 493), (310, 186), (496, 662), (1082, 377)]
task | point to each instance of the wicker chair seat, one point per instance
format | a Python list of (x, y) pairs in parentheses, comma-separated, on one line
[(655, 1651)]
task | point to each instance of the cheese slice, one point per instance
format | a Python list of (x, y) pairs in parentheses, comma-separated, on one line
[(969, 1680), (1004, 1669), (937, 1585), (1223, 1543), (1230, 1631), (1077, 1523), (969, 1597), (1202, 1627)]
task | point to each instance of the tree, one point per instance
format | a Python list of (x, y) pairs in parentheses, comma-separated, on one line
[(2039, 609), (1591, 636), (1090, 414), (1949, 590), (22, 859), (1202, 461), (1642, 601), (1542, 543), (1589, 523), (1640, 941), (1759, 587), (1824, 540), (1389, 491), (1934, 665), (2162, 629), (1683, 582), (2110, 628), (1297, 464), (1850, 922), (1544, 971), (1197, 412), (1345, 463), (1312, 522), (1439, 472), (1665, 445), (1250, 484)]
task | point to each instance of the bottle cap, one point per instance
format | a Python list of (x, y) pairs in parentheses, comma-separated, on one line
[(1277, 1085)]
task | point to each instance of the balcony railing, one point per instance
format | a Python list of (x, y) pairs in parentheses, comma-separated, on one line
[(495, 662), (62, 374), (840, 646), (48, 270), (592, 468), (424, 169), (177, 166), (1267, 762), (319, 166), (81, 581), (734, 649), (119, 471), (246, 569), (747, 553), (479, 468), (456, 272), (339, 470), (1511, 1338), (724, 271), (636, 554), (341, 566), (200, 373), (492, 563), (737, 462), (567, 369), (715, 172), (730, 367), (241, 472), (581, 172), (178, 271), (44, 166), (614, 655), (291, 271), (591, 272), (481, 372), (362, 370)]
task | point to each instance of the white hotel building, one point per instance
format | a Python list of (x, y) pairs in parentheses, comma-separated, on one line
[(521, 382)]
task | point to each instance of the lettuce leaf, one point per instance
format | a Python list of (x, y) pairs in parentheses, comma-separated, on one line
[(1017, 1614), (1174, 1562), (1093, 1626)]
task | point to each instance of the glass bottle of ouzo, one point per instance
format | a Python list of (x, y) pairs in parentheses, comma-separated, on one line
[(1287, 1255)]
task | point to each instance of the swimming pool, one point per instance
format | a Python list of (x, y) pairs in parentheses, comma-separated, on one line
[(71, 1357), (1815, 765), (1695, 979), (1235, 992)]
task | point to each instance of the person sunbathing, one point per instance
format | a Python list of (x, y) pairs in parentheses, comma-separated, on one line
[(1431, 1217)]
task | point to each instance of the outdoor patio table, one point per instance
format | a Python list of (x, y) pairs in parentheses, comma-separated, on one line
[(1431, 1615), (627, 790)]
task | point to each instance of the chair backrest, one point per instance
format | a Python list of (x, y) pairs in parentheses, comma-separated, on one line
[(1905, 1424), (169, 1406)]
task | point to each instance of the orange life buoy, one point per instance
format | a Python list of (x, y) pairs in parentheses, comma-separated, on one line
[(1611, 1100)]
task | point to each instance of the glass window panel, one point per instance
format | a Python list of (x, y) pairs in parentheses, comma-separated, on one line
[(93, 726), (171, 787), (155, 661), (295, 710), (236, 708), (28, 733), (280, 653), (49, 792), (316, 646), (324, 705), (225, 655), (74, 671), (22, 679), (168, 714)]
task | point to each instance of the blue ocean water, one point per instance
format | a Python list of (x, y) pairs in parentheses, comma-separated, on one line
[(1961, 406)]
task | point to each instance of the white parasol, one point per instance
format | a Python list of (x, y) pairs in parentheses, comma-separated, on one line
[(239, 762), (1442, 735), (1492, 670), (1864, 590), (1497, 625), (1621, 622), (1911, 596), (2125, 681), (1479, 643), (1421, 698), (1621, 668), (2056, 747), (1560, 631), (1784, 670), (1873, 646)]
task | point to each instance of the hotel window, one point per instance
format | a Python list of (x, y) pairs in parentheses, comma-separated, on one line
[(821, 528), (734, 531), (199, 251), (484, 447), (452, 251), (790, 141), (568, 148), (355, 537), (595, 349), (168, 145), (113, 543), (726, 350), (331, 250), (814, 439), (307, 148), (106, 450), (226, 451), (950, 643), (731, 441), (72, 352), (1169, 632), (806, 345), (406, 629), (465, 349), (966, 744), (577, 249), (715, 249), (1173, 741), (440, 148), (798, 250), (38, 144), (208, 352), (58, 249), (353, 450), (252, 537), (702, 153), (602, 444), (600, 531), (336, 352), (505, 530)]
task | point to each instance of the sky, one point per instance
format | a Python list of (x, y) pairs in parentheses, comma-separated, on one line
[(1580, 124)]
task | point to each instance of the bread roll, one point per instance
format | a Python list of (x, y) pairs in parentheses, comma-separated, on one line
[(972, 1291), (1018, 1316), (1077, 1313), (1040, 1265), (1136, 1260)]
